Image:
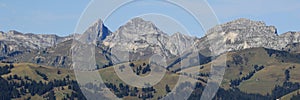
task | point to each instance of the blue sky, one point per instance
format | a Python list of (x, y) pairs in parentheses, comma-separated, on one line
[(61, 16)]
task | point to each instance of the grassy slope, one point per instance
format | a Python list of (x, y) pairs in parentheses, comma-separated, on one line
[(28, 69), (109, 75), (263, 81)]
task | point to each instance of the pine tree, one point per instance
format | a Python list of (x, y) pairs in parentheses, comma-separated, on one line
[(168, 88)]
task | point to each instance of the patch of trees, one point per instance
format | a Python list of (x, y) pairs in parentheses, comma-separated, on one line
[(16, 77), (147, 93), (203, 74), (287, 75), (237, 59), (7, 90), (237, 82), (201, 79), (140, 70), (13, 89), (44, 76), (277, 53), (5, 69), (58, 72), (146, 69), (198, 78), (258, 68), (106, 65), (236, 94), (168, 89), (131, 64), (222, 94), (122, 90), (286, 88)]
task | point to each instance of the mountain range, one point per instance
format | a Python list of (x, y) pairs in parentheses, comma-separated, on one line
[(260, 64), (142, 39)]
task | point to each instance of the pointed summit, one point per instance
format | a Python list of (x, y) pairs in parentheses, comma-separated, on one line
[(98, 31), (139, 26)]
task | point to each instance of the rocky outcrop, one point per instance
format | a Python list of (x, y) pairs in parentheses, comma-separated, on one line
[(179, 43), (96, 32), (289, 38), (144, 38), (244, 33), (17, 41)]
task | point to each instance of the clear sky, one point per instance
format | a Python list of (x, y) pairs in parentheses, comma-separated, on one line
[(61, 16)]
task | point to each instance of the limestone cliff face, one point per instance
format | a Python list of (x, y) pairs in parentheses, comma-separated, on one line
[(96, 32), (244, 33), (289, 38), (17, 41), (143, 37)]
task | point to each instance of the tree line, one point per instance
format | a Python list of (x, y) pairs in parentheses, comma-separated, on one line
[(16, 86)]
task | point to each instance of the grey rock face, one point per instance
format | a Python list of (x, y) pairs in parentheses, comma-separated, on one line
[(17, 41), (140, 36), (243, 33), (179, 43), (289, 38), (48, 49), (143, 37), (97, 32)]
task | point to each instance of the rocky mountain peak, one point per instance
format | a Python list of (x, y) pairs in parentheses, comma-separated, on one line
[(246, 26), (246, 22), (139, 21), (141, 37), (97, 25), (14, 32), (140, 26), (98, 32), (242, 34)]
